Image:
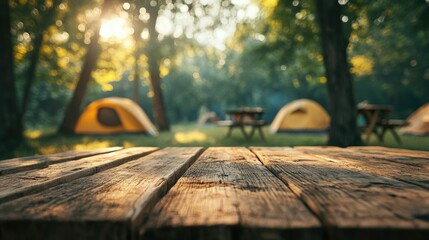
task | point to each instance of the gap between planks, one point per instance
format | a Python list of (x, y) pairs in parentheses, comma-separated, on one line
[(106, 205), (23, 183), (412, 170), (228, 194), (33, 162), (352, 203)]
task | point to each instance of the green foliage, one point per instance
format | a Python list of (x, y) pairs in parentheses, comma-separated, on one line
[(387, 49), (60, 55), (271, 60), (397, 41)]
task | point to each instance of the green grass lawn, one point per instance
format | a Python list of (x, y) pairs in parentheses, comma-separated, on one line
[(45, 142)]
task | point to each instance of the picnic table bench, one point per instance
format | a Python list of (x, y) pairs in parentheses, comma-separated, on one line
[(217, 193), (376, 116), (245, 117)]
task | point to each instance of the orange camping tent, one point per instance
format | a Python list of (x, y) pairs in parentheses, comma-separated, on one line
[(114, 115), (418, 122), (301, 115)]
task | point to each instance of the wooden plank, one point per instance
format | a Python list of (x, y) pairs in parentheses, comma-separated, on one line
[(106, 205), (405, 156), (228, 194), (398, 151), (377, 163), (351, 203), (17, 185), (32, 162)]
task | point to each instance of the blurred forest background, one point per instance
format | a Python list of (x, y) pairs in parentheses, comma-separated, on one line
[(211, 55)]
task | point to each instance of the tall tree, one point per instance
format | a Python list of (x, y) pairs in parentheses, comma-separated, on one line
[(154, 61), (72, 112), (138, 28), (343, 131), (47, 19), (10, 126), (184, 15)]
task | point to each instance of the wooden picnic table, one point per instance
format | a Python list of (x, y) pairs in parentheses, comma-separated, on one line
[(315, 193), (378, 116), (245, 117)]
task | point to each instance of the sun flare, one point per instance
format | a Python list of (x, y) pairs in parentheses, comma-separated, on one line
[(116, 28)]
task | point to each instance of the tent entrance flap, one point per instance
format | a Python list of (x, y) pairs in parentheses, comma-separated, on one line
[(108, 117)]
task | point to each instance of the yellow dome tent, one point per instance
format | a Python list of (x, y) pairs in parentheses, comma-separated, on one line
[(418, 122), (301, 115), (114, 115)]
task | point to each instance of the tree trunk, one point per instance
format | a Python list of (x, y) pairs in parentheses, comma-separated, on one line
[(343, 131), (154, 59), (158, 99), (47, 20), (138, 27), (30, 73), (136, 78), (73, 109), (10, 126)]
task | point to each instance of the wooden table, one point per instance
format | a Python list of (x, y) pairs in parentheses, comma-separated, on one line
[(217, 193), (243, 117), (373, 114)]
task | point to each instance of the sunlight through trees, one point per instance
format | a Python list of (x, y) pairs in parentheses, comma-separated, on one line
[(176, 57)]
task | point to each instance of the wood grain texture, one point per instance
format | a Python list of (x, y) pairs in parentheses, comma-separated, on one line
[(32, 162), (228, 194), (384, 164), (352, 203), (106, 205), (13, 186), (405, 156)]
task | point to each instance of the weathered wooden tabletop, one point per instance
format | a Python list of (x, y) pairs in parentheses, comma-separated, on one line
[(217, 193)]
